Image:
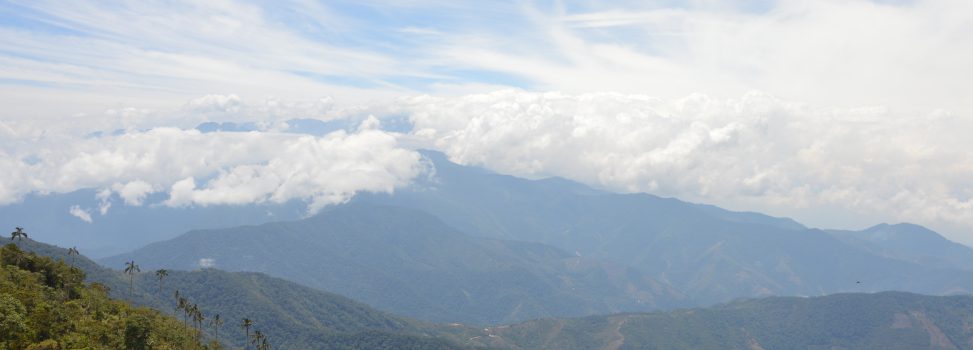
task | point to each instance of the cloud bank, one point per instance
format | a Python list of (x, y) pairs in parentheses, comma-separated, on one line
[(827, 167), (756, 152), (221, 168)]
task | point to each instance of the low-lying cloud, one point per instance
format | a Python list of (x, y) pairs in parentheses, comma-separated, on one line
[(207, 263), (221, 168), (76, 211), (755, 152), (828, 167)]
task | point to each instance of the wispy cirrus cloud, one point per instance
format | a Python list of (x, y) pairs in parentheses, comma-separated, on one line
[(905, 55)]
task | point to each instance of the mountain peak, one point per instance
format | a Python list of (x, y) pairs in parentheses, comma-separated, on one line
[(902, 230)]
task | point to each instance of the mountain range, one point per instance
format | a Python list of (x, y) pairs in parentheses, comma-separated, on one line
[(297, 317), (708, 253), (409, 262), (882, 321), (467, 245)]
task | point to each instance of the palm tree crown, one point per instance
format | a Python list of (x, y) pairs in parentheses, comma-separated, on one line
[(264, 344), (18, 233), (131, 269), (246, 324), (72, 252), (217, 323), (257, 337), (161, 274)]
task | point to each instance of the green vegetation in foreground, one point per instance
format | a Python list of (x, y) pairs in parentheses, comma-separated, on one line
[(45, 305), (292, 316)]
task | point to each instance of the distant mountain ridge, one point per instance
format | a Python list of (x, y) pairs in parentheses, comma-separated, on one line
[(882, 321), (909, 242), (651, 252), (671, 253), (128, 227), (708, 253), (409, 262)]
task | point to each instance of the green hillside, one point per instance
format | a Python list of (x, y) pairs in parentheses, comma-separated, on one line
[(45, 304), (292, 316), (882, 321)]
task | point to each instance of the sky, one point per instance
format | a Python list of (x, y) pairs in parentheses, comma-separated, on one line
[(840, 114)]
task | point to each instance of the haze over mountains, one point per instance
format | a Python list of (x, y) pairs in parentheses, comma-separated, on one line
[(618, 252), (101, 223), (409, 262), (882, 321), (470, 246), (568, 174)]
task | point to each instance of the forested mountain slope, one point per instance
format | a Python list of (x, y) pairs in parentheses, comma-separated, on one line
[(410, 263), (291, 315), (45, 304), (883, 321)]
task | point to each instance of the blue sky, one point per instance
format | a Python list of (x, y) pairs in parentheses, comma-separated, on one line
[(837, 113), (91, 54)]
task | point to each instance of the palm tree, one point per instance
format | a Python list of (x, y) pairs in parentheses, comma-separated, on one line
[(73, 252), (264, 345), (161, 274), (131, 269), (198, 319), (257, 337), (217, 322), (247, 323), (18, 233), (184, 306), (201, 318)]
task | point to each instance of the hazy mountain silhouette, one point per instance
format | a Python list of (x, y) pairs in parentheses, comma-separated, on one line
[(410, 263), (710, 254), (883, 321), (910, 242)]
